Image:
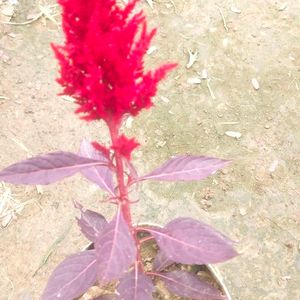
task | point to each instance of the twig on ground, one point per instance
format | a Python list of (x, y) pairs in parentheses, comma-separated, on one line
[(10, 297), (278, 226), (210, 89), (223, 18), (51, 249), (175, 8), (44, 11), (20, 144), (23, 147), (150, 2), (68, 99), (26, 22), (228, 123), (10, 207)]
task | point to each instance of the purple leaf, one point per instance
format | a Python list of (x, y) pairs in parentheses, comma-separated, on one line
[(72, 277), (186, 168), (188, 285), (48, 168), (135, 285), (100, 175), (161, 261), (188, 241), (115, 249), (91, 223)]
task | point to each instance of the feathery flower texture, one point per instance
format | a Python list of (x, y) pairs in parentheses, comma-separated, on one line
[(101, 62)]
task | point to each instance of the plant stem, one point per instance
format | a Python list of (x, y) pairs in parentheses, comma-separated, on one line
[(123, 193)]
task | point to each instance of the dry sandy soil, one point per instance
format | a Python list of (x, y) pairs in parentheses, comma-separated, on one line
[(255, 201)]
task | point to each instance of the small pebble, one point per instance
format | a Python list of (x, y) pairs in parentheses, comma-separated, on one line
[(151, 50), (236, 10), (233, 134), (204, 74), (5, 59), (283, 6), (165, 99), (194, 80), (225, 42), (12, 35), (160, 144), (255, 83), (243, 211)]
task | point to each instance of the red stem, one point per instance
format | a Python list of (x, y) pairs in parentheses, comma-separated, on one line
[(123, 199), (123, 192)]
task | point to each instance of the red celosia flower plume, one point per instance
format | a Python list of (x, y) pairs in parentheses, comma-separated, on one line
[(101, 62)]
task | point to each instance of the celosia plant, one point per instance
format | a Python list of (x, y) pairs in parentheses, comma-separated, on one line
[(102, 68)]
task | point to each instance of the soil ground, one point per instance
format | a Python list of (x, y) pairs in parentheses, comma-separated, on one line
[(256, 200)]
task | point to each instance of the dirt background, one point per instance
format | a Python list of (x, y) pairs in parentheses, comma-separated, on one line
[(256, 200)]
